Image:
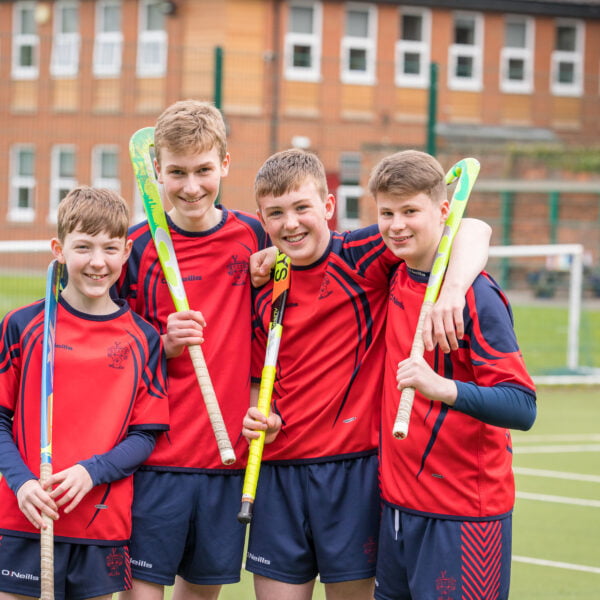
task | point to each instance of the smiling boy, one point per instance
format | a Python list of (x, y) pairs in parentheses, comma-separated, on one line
[(185, 529), (448, 488), (106, 413), (317, 504)]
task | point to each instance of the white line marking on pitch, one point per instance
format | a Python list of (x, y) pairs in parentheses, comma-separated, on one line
[(558, 437), (556, 449), (555, 564), (556, 474), (559, 499)]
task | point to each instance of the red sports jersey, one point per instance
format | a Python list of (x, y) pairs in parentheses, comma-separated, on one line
[(450, 464), (109, 377), (329, 371), (214, 269)]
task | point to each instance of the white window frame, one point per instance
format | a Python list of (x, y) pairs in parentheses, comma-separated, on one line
[(59, 182), (422, 48), (473, 51), (64, 62), (368, 44), (107, 43), (342, 194), (100, 179), (20, 40), (575, 57), (312, 40), (525, 54), (150, 38), (20, 181)]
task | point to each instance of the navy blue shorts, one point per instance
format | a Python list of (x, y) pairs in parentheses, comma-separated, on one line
[(80, 571), (316, 519), (186, 524), (422, 558)]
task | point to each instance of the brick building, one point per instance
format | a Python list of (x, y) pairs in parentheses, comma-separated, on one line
[(517, 85)]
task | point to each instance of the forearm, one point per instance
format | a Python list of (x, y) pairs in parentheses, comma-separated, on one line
[(469, 254), (12, 466), (123, 459), (501, 405)]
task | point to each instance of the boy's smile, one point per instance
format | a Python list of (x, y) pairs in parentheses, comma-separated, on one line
[(297, 222)]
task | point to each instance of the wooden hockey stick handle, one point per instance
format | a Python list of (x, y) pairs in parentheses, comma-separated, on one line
[(402, 421), (212, 405), (47, 545)]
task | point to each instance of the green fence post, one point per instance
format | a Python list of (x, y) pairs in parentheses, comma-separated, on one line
[(506, 211), (432, 109), (218, 83)]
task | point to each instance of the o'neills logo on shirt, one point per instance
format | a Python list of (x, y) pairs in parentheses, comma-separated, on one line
[(395, 300), (118, 355), (237, 269), (324, 290)]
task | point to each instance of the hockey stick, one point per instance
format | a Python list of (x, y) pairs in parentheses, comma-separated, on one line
[(53, 280), (141, 160), (466, 170), (281, 286)]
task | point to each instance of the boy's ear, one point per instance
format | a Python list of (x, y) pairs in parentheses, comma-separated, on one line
[(127, 250), (444, 210), (329, 206), (157, 169), (225, 165), (57, 250)]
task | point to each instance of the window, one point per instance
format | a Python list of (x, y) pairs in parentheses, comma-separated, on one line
[(63, 176), (412, 48), (358, 44), (303, 41), (108, 42), (25, 44), (465, 53), (152, 40), (105, 167), (22, 183), (66, 40), (349, 192), (567, 58), (516, 58)]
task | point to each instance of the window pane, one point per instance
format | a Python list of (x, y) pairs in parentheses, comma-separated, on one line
[(302, 56), (69, 20), (25, 163), (27, 21), (301, 19), (26, 55), (412, 63), (111, 19), (155, 18), (515, 35), (516, 69), (566, 72), (464, 66), (352, 207), (565, 38), (66, 163), (23, 195), (109, 165), (62, 193), (412, 26), (357, 23), (464, 31), (358, 60)]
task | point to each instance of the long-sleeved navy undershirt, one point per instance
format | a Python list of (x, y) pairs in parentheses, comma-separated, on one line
[(119, 462)]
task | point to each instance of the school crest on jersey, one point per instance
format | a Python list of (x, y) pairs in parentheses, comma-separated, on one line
[(237, 269), (445, 585), (117, 354), (325, 291)]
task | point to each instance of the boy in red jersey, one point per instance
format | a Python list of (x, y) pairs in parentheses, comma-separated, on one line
[(185, 529), (317, 503), (448, 488), (110, 403)]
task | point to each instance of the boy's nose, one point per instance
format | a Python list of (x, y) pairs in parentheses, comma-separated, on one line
[(191, 186), (291, 220)]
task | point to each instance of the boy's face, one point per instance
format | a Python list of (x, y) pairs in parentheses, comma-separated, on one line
[(297, 222), (94, 264), (412, 227), (191, 184)]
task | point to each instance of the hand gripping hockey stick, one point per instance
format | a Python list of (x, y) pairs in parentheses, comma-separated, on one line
[(466, 170), (281, 286), (139, 150), (53, 286)]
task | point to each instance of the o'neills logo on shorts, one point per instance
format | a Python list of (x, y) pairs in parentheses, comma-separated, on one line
[(141, 563), (19, 575), (259, 559)]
